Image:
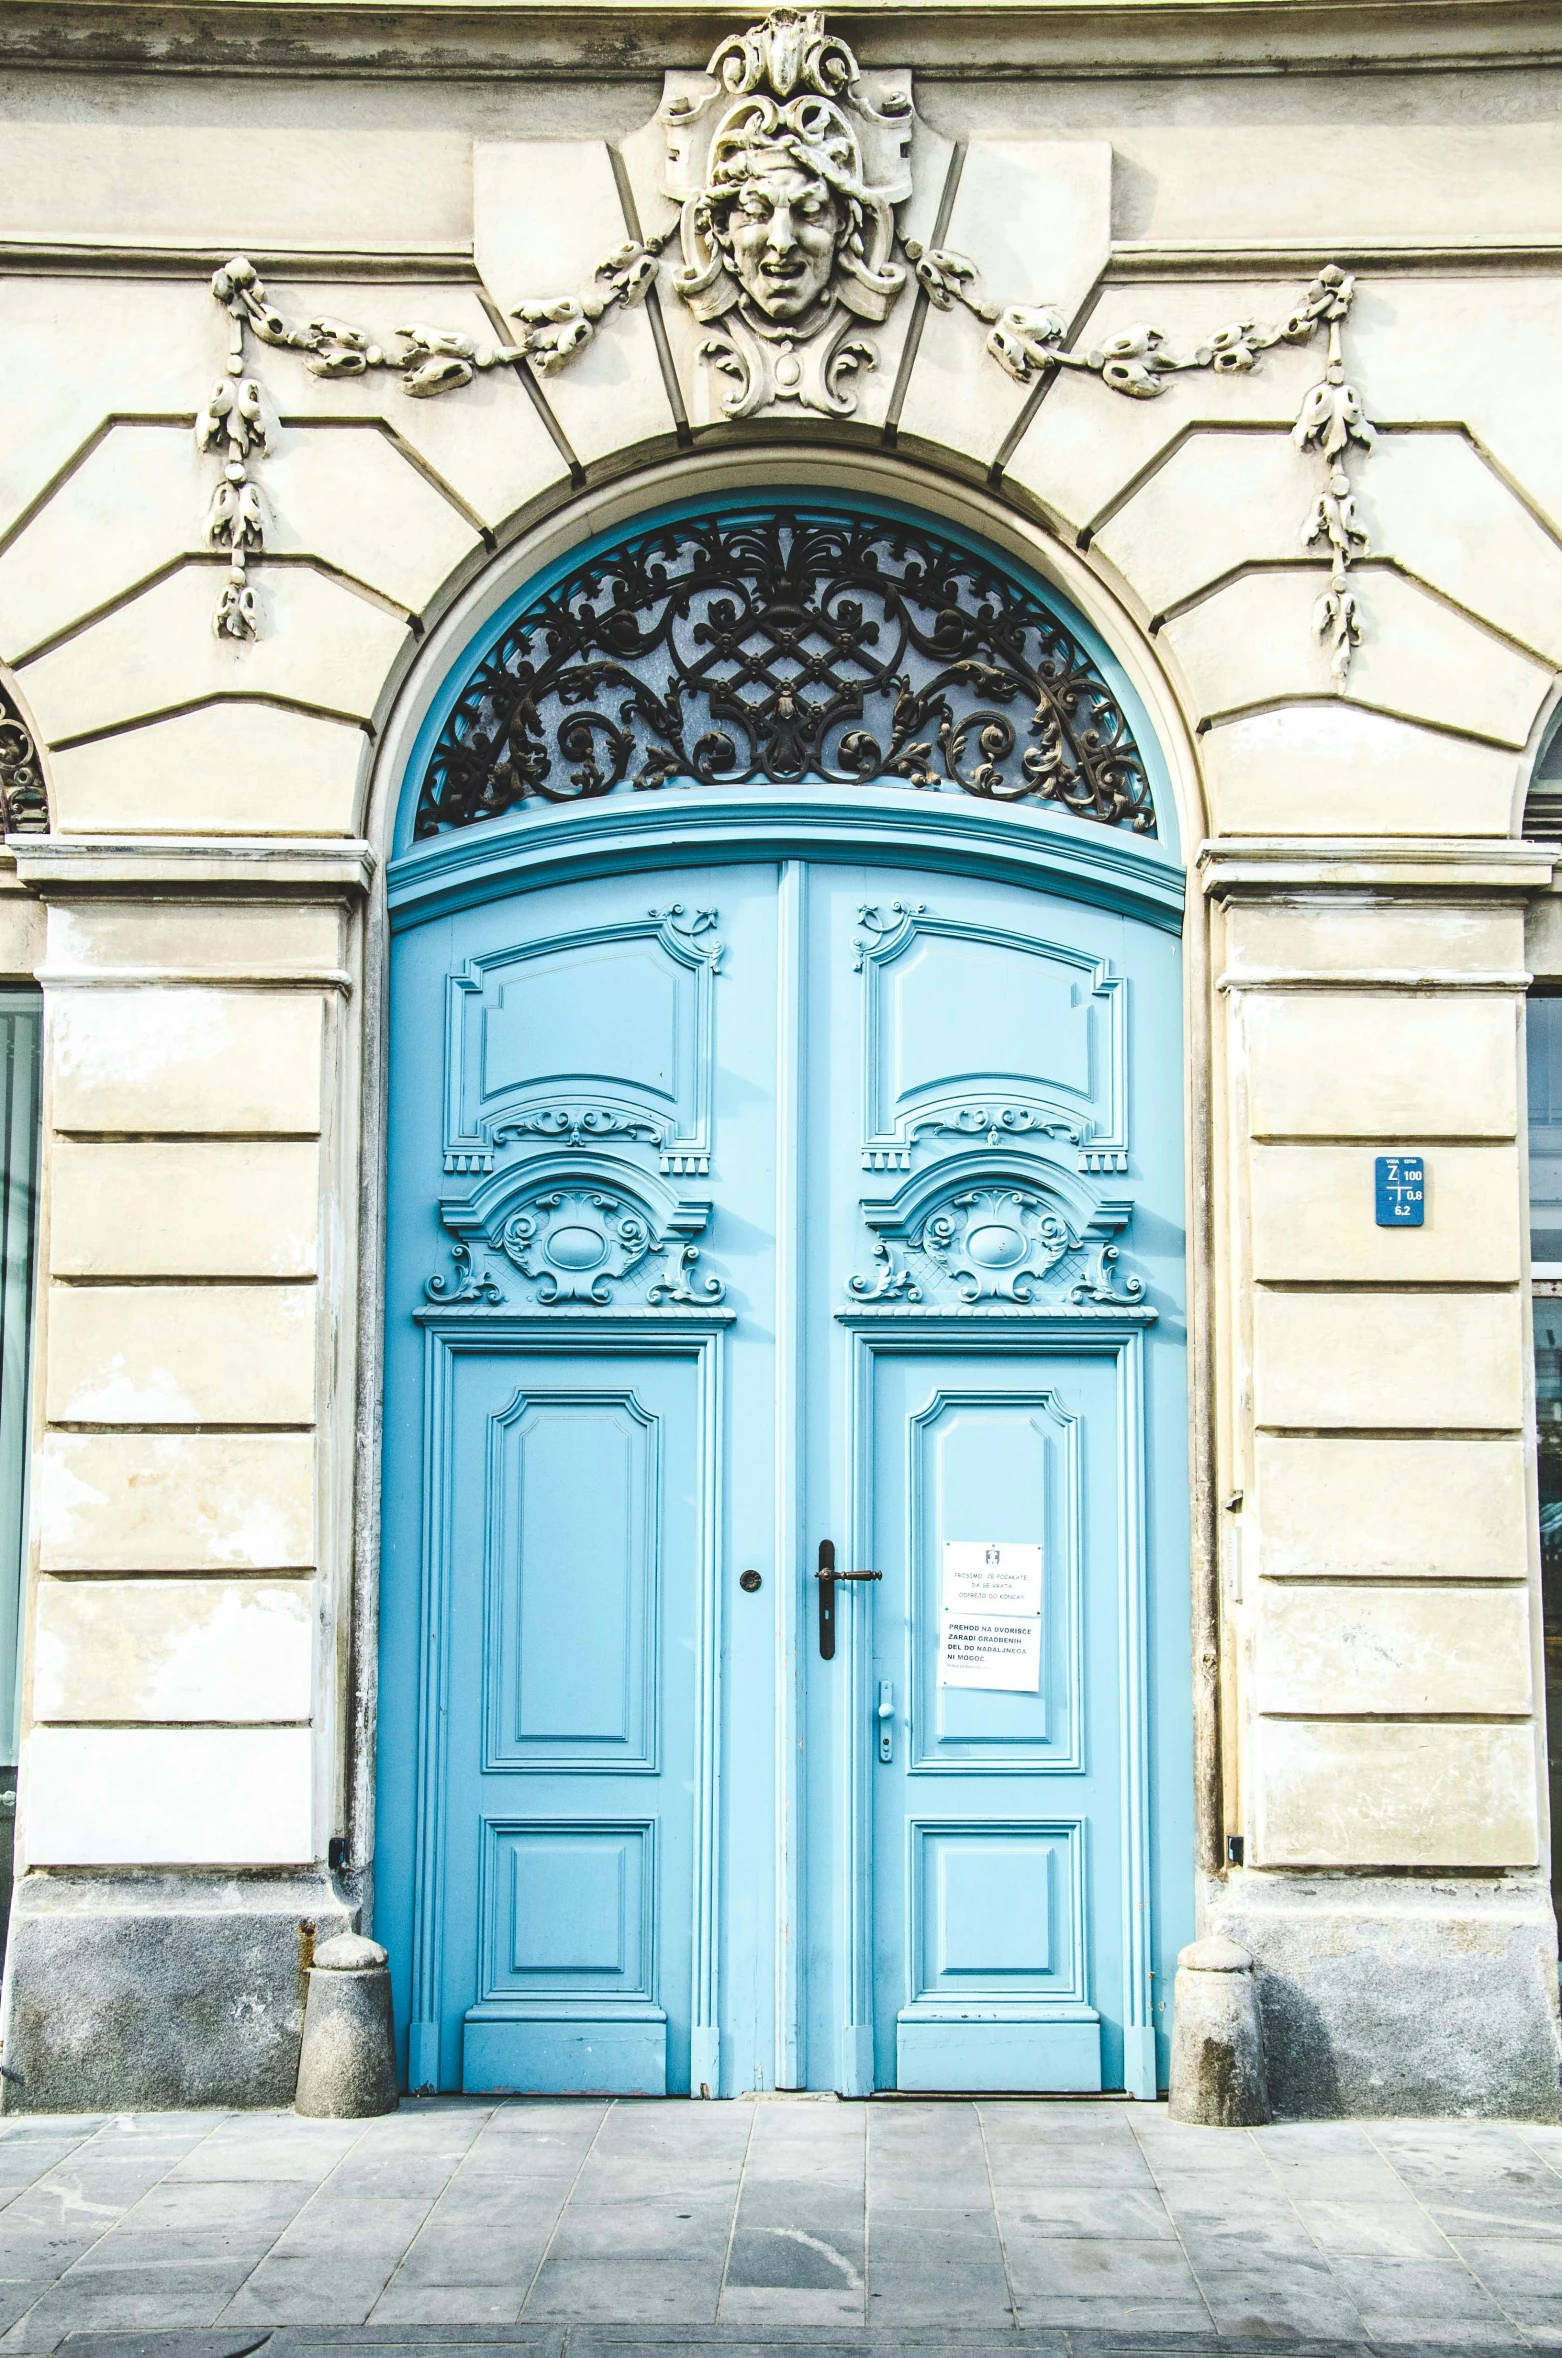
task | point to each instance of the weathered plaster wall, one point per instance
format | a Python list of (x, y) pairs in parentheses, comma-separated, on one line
[(202, 945), (1203, 158)]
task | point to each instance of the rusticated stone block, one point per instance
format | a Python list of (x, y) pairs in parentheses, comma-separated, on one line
[(135, 1992)]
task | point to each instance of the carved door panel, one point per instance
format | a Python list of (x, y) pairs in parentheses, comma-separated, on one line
[(578, 1357), (996, 1821), (994, 1159), (571, 1503)]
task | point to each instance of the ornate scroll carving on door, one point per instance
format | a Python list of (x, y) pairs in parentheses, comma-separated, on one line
[(579, 1236), (786, 644), (997, 1240)]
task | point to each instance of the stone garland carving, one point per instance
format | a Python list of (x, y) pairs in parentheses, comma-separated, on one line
[(1332, 419), (786, 179), (1029, 343), (428, 360), (24, 802), (234, 425)]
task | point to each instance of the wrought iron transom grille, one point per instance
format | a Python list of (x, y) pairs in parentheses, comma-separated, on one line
[(24, 802), (784, 644)]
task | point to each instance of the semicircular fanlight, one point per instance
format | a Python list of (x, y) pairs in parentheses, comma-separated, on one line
[(780, 644)]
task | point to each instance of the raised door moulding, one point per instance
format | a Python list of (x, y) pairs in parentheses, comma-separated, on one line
[(582, 1225), (998, 1105), (790, 186), (536, 1110)]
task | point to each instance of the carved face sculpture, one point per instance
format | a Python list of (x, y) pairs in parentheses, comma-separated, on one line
[(786, 244), (785, 225)]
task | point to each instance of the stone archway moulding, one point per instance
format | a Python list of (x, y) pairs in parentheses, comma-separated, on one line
[(753, 471), (797, 210)]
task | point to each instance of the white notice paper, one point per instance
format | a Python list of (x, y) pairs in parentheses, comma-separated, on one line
[(990, 1629), (992, 1576), (990, 1653)]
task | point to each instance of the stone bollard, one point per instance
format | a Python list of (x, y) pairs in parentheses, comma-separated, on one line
[(1217, 2061), (347, 2064)]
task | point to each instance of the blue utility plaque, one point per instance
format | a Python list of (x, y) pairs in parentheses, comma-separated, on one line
[(1401, 1190)]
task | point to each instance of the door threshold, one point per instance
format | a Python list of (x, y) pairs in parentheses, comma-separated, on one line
[(788, 2096), (1001, 2096)]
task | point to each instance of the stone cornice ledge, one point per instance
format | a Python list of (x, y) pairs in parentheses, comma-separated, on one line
[(1261, 867), (172, 867), (534, 39), (1131, 262)]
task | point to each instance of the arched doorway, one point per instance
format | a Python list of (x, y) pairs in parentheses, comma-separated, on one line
[(785, 1174)]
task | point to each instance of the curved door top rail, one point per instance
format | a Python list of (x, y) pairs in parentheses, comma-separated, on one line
[(1109, 867)]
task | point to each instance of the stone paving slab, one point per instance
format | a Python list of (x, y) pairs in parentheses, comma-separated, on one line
[(570, 2342), (888, 2229)]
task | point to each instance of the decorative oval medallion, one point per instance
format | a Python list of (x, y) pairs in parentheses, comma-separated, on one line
[(995, 1246), (576, 1248), (578, 1242)]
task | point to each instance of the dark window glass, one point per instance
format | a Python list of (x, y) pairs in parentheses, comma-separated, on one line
[(1548, 1411), (1544, 1031)]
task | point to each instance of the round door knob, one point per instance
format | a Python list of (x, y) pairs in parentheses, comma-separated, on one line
[(749, 1581)]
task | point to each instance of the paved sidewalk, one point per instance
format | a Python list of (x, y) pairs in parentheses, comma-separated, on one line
[(996, 2225)]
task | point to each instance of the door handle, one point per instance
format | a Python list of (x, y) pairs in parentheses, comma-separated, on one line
[(886, 1719), (827, 1576)]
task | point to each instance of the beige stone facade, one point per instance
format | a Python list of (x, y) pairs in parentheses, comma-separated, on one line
[(205, 913)]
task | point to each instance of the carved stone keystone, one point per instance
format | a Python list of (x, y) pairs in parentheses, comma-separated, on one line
[(347, 2064), (1217, 2064)]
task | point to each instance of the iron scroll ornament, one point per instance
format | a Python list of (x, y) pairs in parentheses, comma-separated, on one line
[(783, 645), (24, 801)]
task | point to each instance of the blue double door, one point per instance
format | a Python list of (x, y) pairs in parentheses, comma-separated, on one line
[(749, 1221)]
